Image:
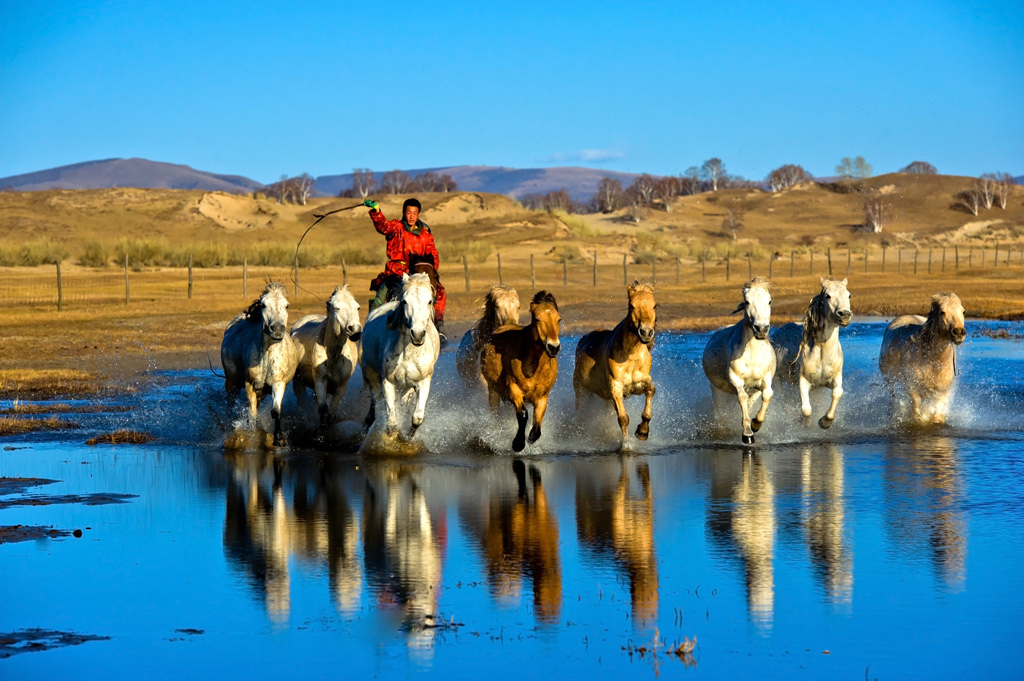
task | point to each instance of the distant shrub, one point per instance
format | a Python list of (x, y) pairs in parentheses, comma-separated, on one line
[(578, 226), (96, 254), (567, 254), (644, 257), (476, 251), (32, 254)]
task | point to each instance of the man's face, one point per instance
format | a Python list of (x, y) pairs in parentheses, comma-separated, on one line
[(412, 214)]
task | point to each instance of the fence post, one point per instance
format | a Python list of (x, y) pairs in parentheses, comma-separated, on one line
[(127, 285), (500, 282), (704, 264), (865, 260), (625, 271), (295, 280), (899, 261), (677, 270), (829, 253), (929, 260), (750, 267), (654, 270), (595, 267), (943, 259), (344, 271), (60, 289), (849, 260), (915, 260), (190, 276), (771, 265), (956, 256), (533, 275), (883, 258), (811, 271), (245, 278), (465, 271), (792, 259), (995, 259), (565, 271), (727, 267), (970, 257)]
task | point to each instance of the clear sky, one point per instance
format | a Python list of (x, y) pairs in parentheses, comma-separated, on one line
[(264, 89)]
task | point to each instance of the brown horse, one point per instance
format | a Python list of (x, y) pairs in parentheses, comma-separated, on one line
[(501, 307), (519, 364), (616, 364), (919, 353)]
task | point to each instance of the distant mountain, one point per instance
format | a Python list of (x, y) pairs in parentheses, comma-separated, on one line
[(1019, 179), (128, 172), (581, 183)]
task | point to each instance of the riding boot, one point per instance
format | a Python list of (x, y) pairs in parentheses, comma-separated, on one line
[(439, 323)]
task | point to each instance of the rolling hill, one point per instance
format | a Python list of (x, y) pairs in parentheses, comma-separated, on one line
[(128, 172)]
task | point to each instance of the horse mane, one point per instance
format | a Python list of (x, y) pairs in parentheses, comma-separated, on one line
[(753, 283), (640, 287), (488, 321), (812, 324), (544, 297), (254, 310)]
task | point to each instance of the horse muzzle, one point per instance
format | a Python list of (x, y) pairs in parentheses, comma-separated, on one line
[(418, 339), (761, 331), (844, 317), (646, 337), (353, 331), (958, 334), (552, 349), (276, 332)]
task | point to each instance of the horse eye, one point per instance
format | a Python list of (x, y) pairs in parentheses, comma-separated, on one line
[(828, 297)]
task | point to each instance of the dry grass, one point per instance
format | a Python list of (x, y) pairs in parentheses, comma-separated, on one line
[(19, 426), (122, 437)]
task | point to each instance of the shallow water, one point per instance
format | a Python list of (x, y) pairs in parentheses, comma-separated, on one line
[(865, 551)]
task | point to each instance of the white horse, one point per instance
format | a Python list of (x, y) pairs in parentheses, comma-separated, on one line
[(501, 307), (329, 352), (400, 349), (739, 359), (809, 354), (258, 354), (919, 353)]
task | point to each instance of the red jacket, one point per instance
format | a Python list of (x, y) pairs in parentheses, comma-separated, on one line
[(403, 243)]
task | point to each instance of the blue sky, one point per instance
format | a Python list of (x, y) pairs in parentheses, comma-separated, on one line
[(265, 89)]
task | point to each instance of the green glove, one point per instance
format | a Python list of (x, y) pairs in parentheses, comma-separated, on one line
[(370, 203)]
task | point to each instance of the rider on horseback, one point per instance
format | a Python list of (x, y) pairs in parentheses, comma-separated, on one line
[(408, 241)]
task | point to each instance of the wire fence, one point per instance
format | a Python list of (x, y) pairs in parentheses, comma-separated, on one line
[(88, 287)]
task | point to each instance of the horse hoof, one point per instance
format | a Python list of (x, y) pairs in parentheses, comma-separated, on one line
[(748, 439), (643, 431), (280, 441), (534, 435), (825, 422), (519, 444), (755, 426)]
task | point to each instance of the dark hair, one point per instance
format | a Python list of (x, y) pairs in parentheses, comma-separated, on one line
[(544, 297), (411, 202)]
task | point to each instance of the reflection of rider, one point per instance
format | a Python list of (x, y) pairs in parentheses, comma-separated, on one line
[(409, 241)]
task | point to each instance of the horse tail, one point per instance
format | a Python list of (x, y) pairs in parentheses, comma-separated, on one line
[(210, 360)]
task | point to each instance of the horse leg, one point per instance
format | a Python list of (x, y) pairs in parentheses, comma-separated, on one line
[(277, 390), (339, 392), (422, 391), (915, 405), (805, 399), (577, 389), (620, 412), (519, 442), (493, 398), (837, 392), (644, 429), (744, 400), (539, 407), (253, 401), (941, 409), (766, 398), (320, 385), (390, 405)]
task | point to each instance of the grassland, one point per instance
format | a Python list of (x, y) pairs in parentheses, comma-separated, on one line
[(98, 343)]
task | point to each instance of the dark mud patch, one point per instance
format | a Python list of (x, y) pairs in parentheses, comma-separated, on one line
[(19, 485), (38, 640), (96, 499), (122, 437), (9, 534)]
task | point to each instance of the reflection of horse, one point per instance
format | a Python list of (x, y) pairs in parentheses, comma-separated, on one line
[(739, 359), (501, 307), (809, 353), (616, 364), (518, 534), (923, 488), (258, 354), (330, 352), (610, 520), (520, 365), (919, 354), (824, 520), (741, 518), (400, 349)]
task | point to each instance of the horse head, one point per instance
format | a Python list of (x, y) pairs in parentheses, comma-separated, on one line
[(415, 310), (273, 311), (502, 305), (757, 306), (343, 314), (642, 310), (834, 300), (424, 264), (544, 311), (947, 315)]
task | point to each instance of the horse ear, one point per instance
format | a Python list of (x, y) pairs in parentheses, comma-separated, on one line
[(844, 282), (405, 278), (822, 280), (741, 308)]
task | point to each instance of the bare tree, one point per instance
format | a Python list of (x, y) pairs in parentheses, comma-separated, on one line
[(635, 204), (733, 221), (644, 186), (691, 180), (666, 190), (919, 168), (303, 187), (558, 200), (363, 181), (969, 199), (856, 168), (426, 182), (713, 171), (395, 182), (608, 196), (876, 213), (446, 183), (986, 186), (1004, 186), (787, 176)]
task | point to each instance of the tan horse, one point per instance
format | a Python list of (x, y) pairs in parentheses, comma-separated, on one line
[(809, 354), (329, 352), (501, 307), (519, 364), (258, 354), (739, 359), (919, 354), (616, 364)]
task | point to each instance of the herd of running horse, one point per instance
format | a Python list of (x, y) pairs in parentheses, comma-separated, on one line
[(398, 346)]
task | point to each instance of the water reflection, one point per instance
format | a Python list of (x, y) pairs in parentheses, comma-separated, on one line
[(615, 522), (824, 517), (924, 490), (741, 523), (517, 533)]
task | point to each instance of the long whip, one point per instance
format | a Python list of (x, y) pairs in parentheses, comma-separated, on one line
[(295, 260)]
